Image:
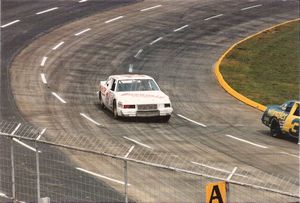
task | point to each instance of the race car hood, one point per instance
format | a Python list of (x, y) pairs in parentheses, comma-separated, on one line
[(273, 107), (145, 97), (275, 110)]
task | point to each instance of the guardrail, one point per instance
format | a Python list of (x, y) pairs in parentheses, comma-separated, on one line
[(33, 166)]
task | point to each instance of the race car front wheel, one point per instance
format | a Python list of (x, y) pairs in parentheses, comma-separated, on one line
[(275, 128), (165, 119)]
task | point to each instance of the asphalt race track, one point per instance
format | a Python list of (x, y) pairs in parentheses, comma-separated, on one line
[(49, 77), (12, 41), (32, 26)]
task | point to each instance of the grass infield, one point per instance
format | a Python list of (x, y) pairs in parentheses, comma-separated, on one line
[(265, 68)]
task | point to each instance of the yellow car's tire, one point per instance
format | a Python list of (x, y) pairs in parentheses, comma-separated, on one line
[(275, 128)]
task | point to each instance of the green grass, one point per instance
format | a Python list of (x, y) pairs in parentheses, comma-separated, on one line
[(265, 68)]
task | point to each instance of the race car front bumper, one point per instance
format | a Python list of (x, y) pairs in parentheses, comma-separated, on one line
[(152, 113)]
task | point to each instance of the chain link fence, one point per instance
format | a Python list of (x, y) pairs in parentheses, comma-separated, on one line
[(34, 165)]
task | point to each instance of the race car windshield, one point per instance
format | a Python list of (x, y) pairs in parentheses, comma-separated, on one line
[(136, 85)]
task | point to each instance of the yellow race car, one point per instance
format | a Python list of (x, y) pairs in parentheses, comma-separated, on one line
[(283, 119)]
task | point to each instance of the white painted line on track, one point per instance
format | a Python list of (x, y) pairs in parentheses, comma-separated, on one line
[(58, 45), (250, 7), (150, 8), (25, 145), (231, 174), (139, 143), (180, 28), (15, 130), (4, 195), (82, 1), (217, 169), (130, 69), (101, 176), (40, 135), (214, 168), (138, 53), (248, 142), (46, 11), (82, 31), (212, 17), (90, 119), (195, 122), (156, 40), (114, 19), (129, 151), (293, 155), (43, 78), (59, 98), (44, 61), (11, 23)]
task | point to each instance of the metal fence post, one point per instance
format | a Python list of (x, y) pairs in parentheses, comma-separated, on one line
[(37, 158), (126, 173), (126, 181), (227, 183), (227, 192), (12, 170), (37, 171)]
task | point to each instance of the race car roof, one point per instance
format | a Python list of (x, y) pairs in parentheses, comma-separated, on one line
[(295, 101), (130, 76)]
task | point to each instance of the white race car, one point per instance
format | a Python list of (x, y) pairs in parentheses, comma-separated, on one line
[(134, 96)]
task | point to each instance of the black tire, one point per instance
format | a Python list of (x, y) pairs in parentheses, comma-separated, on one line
[(101, 101), (165, 119), (275, 128), (115, 113)]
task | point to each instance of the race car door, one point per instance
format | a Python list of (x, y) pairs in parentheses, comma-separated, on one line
[(106, 91), (111, 93), (291, 124)]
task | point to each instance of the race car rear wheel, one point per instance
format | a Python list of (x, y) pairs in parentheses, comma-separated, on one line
[(101, 101), (115, 111), (275, 128)]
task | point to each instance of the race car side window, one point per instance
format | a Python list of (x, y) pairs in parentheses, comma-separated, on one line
[(113, 85), (283, 106), (296, 113), (108, 82), (289, 106)]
